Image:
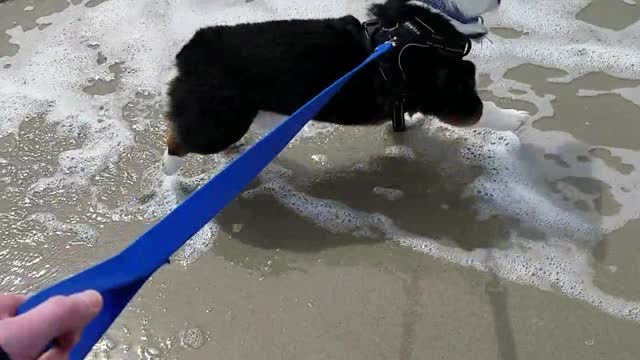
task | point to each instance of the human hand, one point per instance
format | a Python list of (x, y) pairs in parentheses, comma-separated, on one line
[(61, 318)]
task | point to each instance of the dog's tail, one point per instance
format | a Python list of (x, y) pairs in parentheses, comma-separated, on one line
[(173, 157)]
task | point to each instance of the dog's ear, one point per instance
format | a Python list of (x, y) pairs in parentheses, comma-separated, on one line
[(390, 12)]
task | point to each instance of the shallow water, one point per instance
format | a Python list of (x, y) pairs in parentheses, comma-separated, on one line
[(357, 243)]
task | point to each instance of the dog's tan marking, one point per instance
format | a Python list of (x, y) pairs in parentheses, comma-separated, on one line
[(173, 157), (173, 146)]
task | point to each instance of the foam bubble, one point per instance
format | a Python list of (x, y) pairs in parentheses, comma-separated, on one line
[(508, 186), (82, 233), (555, 38), (400, 151), (17, 106), (387, 193), (199, 244), (192, 338), (631, 94), (320, 159), (329, 214)]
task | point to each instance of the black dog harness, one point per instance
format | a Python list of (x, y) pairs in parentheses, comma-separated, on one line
[(413, 32)]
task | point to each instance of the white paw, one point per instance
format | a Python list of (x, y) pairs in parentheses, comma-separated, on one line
[(171, 164), (496, 118)]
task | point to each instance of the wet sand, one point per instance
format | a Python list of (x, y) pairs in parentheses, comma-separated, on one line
[(270, 283)]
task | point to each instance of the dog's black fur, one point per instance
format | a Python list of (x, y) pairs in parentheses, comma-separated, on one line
[(226, 74)]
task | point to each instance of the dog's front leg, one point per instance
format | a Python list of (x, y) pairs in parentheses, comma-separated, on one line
[(497, 118)]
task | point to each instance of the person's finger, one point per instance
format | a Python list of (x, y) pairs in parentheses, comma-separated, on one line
[(9, 304), (56, 317), (68, 340), (61, 315), (55, 354)]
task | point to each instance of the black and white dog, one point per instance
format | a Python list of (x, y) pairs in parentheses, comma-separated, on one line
[(227, 74)]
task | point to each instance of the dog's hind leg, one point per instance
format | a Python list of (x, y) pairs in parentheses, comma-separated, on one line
[(207, 136), (174, 154)]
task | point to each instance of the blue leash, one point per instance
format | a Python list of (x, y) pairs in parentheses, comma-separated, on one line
[(119, 278)]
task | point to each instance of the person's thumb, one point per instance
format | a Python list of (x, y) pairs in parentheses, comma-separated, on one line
[(31, 332)]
